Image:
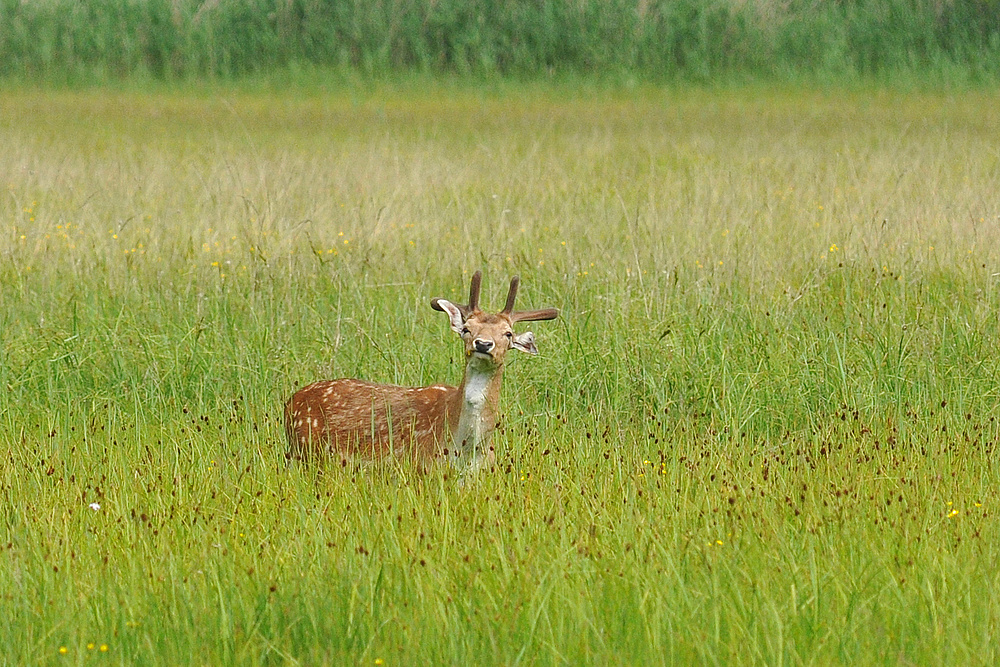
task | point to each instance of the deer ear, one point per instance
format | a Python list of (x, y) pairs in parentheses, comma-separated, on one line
[(524, 342), (454, 315)]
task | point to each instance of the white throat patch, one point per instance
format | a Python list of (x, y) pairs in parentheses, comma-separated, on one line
[(472, 434), (476, 385)]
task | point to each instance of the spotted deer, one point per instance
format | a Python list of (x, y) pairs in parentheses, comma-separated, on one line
[(353, 419)]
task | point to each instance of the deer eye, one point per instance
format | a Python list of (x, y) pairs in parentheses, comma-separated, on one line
[(465, 331), (509, 335)]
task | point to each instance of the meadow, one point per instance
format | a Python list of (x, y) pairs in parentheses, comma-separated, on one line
[(762, 431)]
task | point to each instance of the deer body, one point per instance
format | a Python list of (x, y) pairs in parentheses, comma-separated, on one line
[(358, 418), (351, 418)]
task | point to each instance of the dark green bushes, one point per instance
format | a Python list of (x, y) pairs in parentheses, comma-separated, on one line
[(649, 39)]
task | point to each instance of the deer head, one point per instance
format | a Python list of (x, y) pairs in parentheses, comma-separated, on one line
[(488, 336)]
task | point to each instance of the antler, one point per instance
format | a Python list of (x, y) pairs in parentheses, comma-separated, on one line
[(525, 315), (477, 279), (515, 316), (534, 315), (511, 295)]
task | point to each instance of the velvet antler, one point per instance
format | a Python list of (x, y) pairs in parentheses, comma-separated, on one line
[(525, 315), (477, 279), (515, 316)]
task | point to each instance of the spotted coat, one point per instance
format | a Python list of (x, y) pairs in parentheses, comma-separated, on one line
[(352, 418)]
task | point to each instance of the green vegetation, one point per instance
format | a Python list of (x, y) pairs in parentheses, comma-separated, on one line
[(763, 430), (953, 41)]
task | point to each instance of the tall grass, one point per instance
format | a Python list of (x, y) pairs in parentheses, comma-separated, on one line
[(953, 41), (763, 430)]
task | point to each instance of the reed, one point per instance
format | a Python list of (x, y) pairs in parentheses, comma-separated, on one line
[(955, 42)]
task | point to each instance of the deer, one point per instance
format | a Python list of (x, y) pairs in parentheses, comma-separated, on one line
[(354, 419)]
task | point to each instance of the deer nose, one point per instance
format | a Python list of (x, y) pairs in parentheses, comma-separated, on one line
[(483, 345)]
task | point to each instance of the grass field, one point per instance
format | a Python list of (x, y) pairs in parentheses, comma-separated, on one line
[(763, 430)]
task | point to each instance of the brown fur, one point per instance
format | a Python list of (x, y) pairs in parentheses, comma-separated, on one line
[(350, 418)]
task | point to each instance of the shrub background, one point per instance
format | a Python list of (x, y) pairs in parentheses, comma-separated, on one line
[(955, 41)]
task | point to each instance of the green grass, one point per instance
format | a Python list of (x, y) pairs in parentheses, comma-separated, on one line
[(762, 431), (955, 42)]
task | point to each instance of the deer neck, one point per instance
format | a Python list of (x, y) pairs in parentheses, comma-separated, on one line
[(479, 395)]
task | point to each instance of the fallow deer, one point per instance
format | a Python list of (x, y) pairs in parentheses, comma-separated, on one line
[(353, 419)]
